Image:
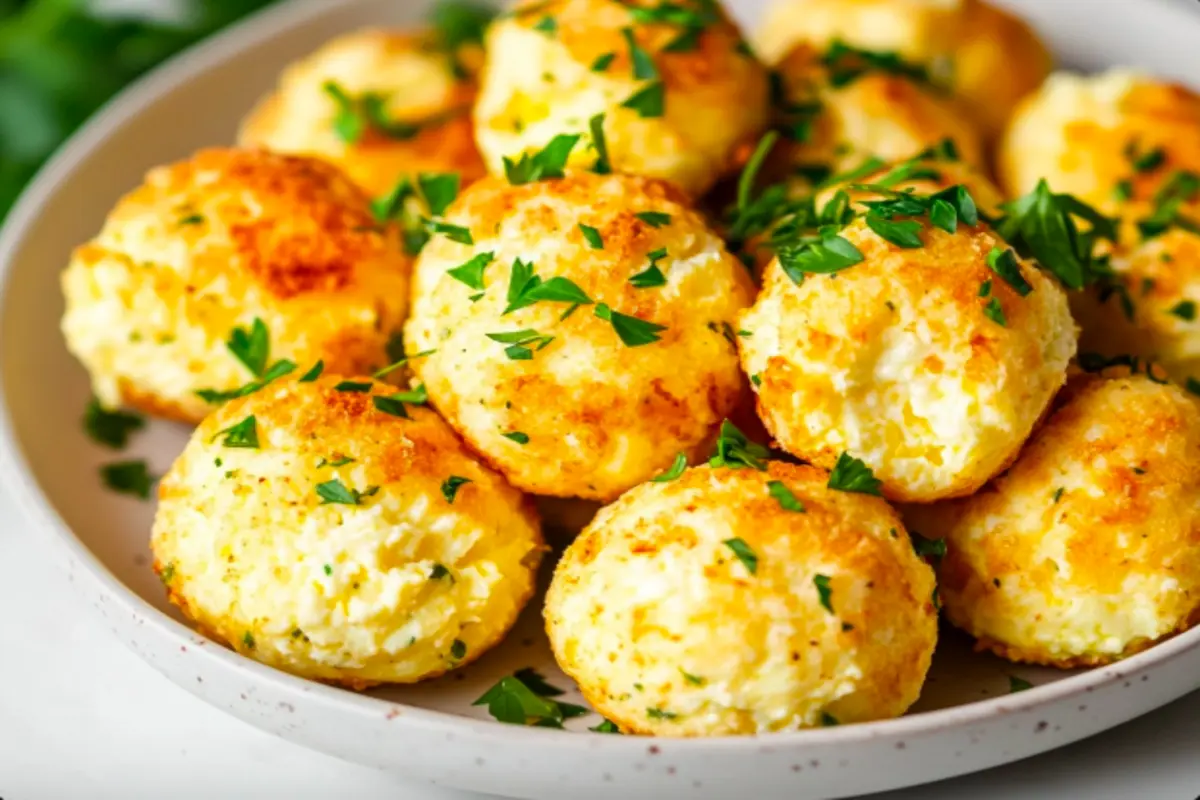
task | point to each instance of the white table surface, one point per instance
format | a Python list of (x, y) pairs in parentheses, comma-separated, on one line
[(81, 716)]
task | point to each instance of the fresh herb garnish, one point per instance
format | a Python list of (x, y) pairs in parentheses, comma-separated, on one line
[(517, 436), (655, 219), (519, 343), (110, 428), (852, 475), (744, 553), (736, 451), (128, 477), (276, 371), (847, 64), (828, 720), (241, 434), (471, 272), (546, 164), (932, 550), (1180, 188), (525, 288), (676, 469), (906, 234), (1016, 684), (824, 591), (592, 236), (340, 461), (455, 233), (659, 714), (786, 498), (745, 185), (354, 387), (252, 346), (608, 726), (1185, 310), (596, 126), (1004, 263), (524, 699), (822, 257), (398, 363), (602, 62), (313, 373), (649, 101), (643, 64), (392, 406), (335, 491), (356, 115), (547, 25), (632, 331), (651, 276), (995, 312)]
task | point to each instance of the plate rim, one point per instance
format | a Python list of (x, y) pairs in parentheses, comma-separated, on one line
[(27, 496)]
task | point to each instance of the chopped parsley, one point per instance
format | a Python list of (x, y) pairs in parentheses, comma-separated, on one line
[(995, 312), (852, 475), (313, 373), (1185, 310), (649, 101), (659, 714), (1145, 161), (336, 492), (524, 699), (438, 190), (651, 276), (1058, 493), (395, 365), (906, 233), (248, 640), (439, 570), (356, 115), (457, 23), (276, 371), (1016, 684), (596, 126), (471, 272), (1004, 263), (547, 25), (786, 498), (354, 387), (592, 236), (677, 468), (110, 428), (525, 288), (191, 219), (824, 591), (694, 680), (932, 550), (519, 343), (517, 436), (846, 64), (458, 649), (242, 434), (251, 347), (128, 477), (602, 62), (340, 461), (655, 219), (391, 405), (608, 726), (643, 64), (744, 553), (455, 233), (828, 720), (547, 163), (632, 331), (736, 451), (1180, 188), (824, 256), (687, 41), (985, 288), (745, 185)]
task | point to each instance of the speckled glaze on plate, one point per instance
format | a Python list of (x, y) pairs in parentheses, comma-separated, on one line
[(965, 721)]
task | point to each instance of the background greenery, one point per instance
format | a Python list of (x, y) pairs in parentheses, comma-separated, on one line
[(60, 60)]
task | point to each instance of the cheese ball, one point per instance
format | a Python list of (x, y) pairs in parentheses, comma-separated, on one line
[(1149, 307), (998, 61), (877, 114), (679, 101), (227, 244), (563, 401), (924, 363), (331, 103), (704, 607), (1103, 138), (344, 543), (984, 56), (1085, 551)]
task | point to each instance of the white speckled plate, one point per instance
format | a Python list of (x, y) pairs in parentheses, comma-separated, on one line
[(965, 721)]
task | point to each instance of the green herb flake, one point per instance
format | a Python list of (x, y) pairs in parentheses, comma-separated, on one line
[(649, 101), (470, 273), (985, 288), (390, 405), (602, 62), (313, 373), (519, 343), (440, 571), (659, 714), (943, 216), (1123, 190), (242, 434), (932, 550), (327, 569), (438, 190), (514, 702), (458, 649), (336, 492), (128, 477), (852, 475), (451, 485), (828, 720), (276, 371), (525, 288), (110, 428), (694, 680), (455, 233), (168, 574), (1185, 310), (1058, 493), (1147, 161), (354, 387), (340, 461), (735, 451), (251, 346), (548, 163), (517, 436), (824, 591), (824, 257), (744, 554), (399, 362), (995, 312), (655, 219), (905, 234), (248, 640), (677, 468), (603, 165), (547, 25), (191, 219), (643, 64), (632, 331), (1016, 684), (787, 500), (1004, 263), (592, 236), (608, 726)]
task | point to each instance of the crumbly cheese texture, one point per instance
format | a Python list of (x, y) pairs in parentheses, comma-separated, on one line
[(401, 587), (894, 361), (542, 79), (1086, 550), (878, 115), (418, 84), (987, 58), (1083, 134), (1151, 308), (669, 632), (599, 416), (208, 245)]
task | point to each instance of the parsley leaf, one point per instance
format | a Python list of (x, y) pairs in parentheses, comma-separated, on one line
[(735, 450), (356, 115), (110, 428), (744, 553), (643, 64), (514, 702), (847, 64), (517, 436), (354, 387), (537, 683), (632, 331), (1004, 263), (471, 272), (400, 362), (830, 254), (677, 468), (659, 714), (438, 190), (787, 500), (451, 485), (932, 550), (128, 477), (390, 405), (548, 163), (455, 233), (313, 373), (608, 726), (602, 62), (649, 101), (651, 276), (596, 125), (547, 25), (1016, 684), (1185, 310), (1182, 187), (995, 312), (852, 475), (655, 219), (525, 288), (824, 591), (460, 22), (745, 185), (592, 236), (241, 434), (904, 234), (252, 346), (518, 341), (335, 491), (276, 371)]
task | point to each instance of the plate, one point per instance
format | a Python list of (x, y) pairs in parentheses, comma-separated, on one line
[(966, 720)]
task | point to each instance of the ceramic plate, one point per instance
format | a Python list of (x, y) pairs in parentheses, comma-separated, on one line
[(966, 719)]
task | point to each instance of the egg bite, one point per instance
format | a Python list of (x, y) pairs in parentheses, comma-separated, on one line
[(382, 105), (578, 332), (334, 530), (225, 267), (738, 601), (984, 56), (1085, 551), (837, 114), (1108, 139), (670, 93), (925, 353)]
